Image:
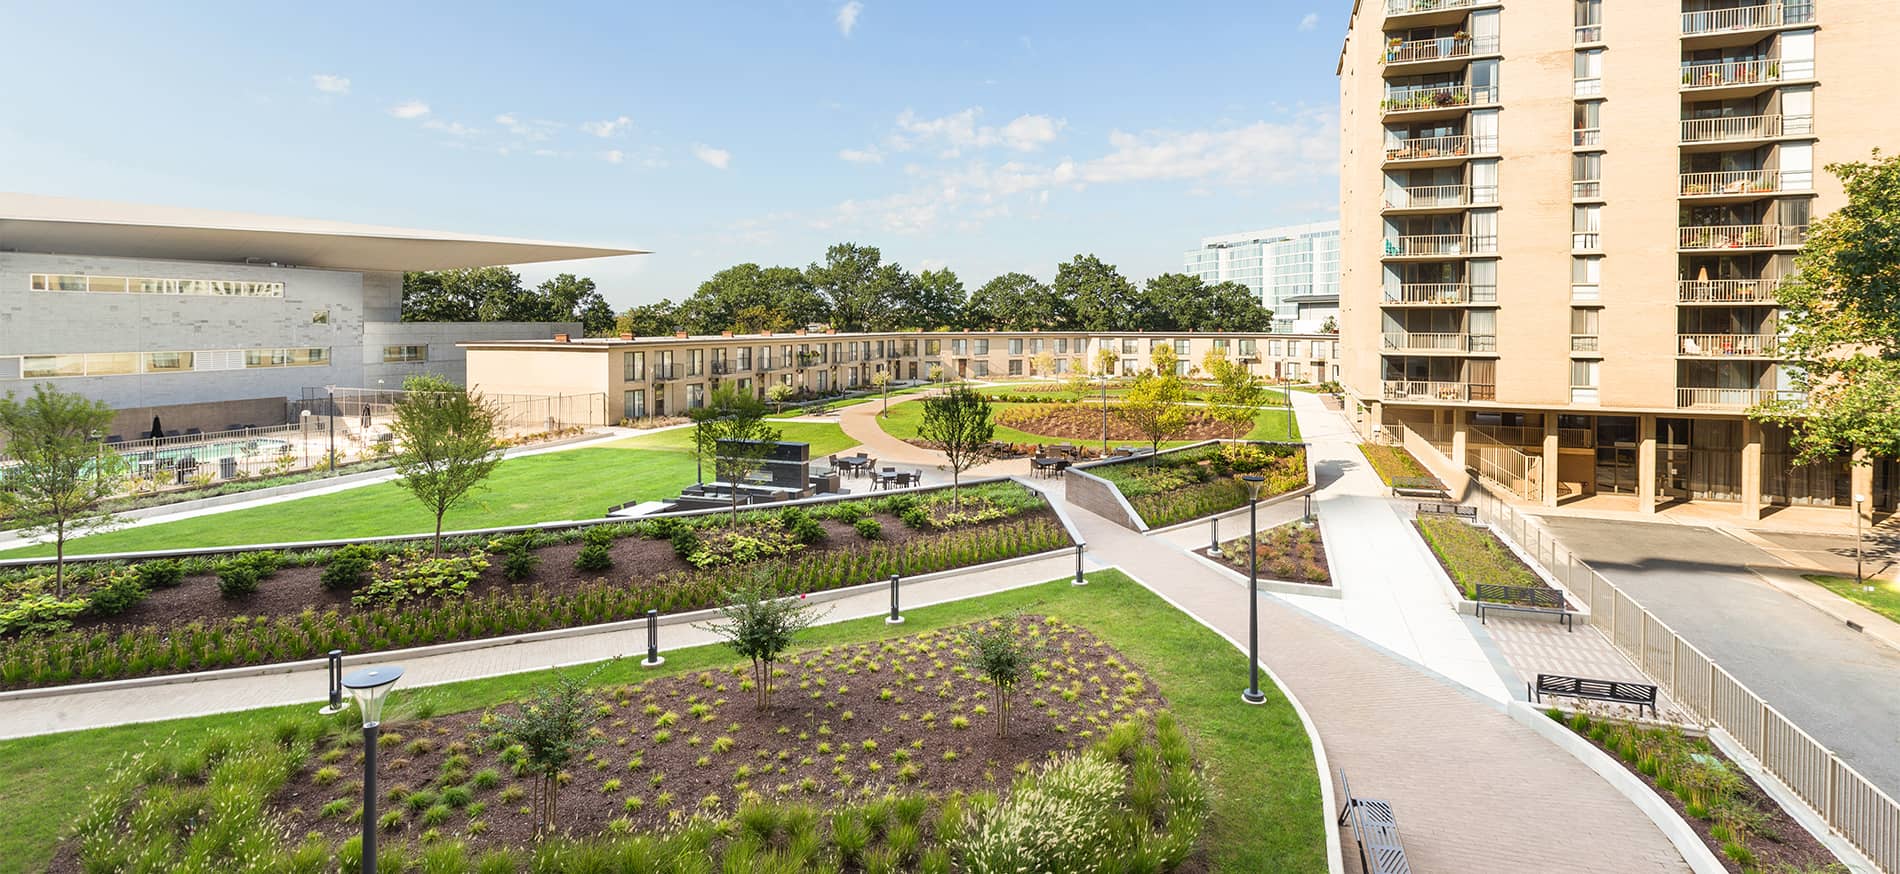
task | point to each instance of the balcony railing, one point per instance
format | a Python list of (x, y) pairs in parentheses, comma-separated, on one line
[(1426, 148), (1407, 7), (1444, 48), (1727, 290), (1741, 236), (1727, 345), (1446, 293), (1745, 127), (1434, 245), (721, 368), (1586, 136), (1713, 21), (1722, 74), (1424, 390), (1743, 182), (1586, 189), (1584, 343), (1414, 98), (1428, 197), (1733, 398), (1406, 341), (1587, 33), (666, 372)]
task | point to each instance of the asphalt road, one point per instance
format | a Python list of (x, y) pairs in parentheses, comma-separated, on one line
[(1838, 685)]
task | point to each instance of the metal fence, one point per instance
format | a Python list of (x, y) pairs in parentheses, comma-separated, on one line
[(1851, 805), (520, 414)]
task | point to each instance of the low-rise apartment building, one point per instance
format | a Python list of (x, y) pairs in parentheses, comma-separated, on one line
[(661, 376)]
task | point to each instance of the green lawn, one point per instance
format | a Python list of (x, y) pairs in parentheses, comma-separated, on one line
[(1395, 465), (1884, 599), (555, 486), (1273, 423), (1266, 793)]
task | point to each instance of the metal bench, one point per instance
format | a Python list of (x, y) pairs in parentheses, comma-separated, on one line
[(1615, 691), (1525, 599), (1376, 830), (1433, 508)]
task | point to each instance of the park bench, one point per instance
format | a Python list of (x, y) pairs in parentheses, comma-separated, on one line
[(1615, 691), (1419, 487), (1525, 599), (1376, 830), (1433, 508)]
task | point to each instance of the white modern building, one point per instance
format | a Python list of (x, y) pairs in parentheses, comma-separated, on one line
[(215, 318), (1294, 270)]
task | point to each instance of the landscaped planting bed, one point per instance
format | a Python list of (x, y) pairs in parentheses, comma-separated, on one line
[(171, 616), (1289, 553), (1397, 468), (1471, 555), (1177, 486), (1745, 828), (1083, 422)]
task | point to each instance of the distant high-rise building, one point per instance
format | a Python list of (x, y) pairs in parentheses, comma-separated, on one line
[(1294, 270)]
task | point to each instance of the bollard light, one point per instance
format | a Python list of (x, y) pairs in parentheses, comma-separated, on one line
[(336, 684), (895, 618), (370, 687), (653, 659), (1080, 580)]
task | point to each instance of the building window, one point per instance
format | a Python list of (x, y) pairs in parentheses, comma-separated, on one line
[(633, 404), (1587, 124), (1129, 346), (1292, 348), (1589, 21), (1586, 175), (1586, 274), (980, 368), (1583, 379), (145, 285), (1586, 227), (405, 354), (695, 361), (1062, 345), (1588, 73), (1249, 347), (167, 362), (48, 366), (633, 366), (1275, 349), (1016, 366), (982, 347), (1221, 344), (959, 347), (1016, 346), (933, 347), (1293, 371), (695, 396)]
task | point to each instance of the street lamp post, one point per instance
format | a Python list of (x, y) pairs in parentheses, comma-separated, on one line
[(332, 417), (1253, 695), (303, 420), (370, 687), (1859, 580)]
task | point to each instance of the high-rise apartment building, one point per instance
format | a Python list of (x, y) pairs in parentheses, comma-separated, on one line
[(1294, 270), (1564, 222)]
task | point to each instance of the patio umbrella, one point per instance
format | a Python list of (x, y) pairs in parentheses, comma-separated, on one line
[(1702, 274), (156, 431), (366, 417)]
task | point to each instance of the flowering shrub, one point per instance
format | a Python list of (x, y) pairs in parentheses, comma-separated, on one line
[(403, 578)]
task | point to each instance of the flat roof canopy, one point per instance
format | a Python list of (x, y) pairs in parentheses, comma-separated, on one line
[(70, 226)]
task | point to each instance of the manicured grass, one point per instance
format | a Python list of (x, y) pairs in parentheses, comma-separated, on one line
[(1884, 599), (1273, 423), (551, 487), (1265, 789), (1395, 466), (1473, 555)]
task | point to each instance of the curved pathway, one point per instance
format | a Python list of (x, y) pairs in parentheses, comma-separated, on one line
[(859, 422)]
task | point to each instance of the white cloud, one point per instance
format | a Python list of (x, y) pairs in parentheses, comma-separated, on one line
[(1262, 151), (609, 127), (960, 130), (1027, 133), (409, 109), (329, 84), (848, 17), (534, 130), (868, 155), (719, 158), (1309, 22), (613, 156), (452, 128)]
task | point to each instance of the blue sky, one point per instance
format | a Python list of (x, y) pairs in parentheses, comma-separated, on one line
[(986, 137)]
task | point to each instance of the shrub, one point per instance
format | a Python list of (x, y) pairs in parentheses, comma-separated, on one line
[(348, 567), (518, 559), (162, 573), (39, 614), (685, 542), (595, 555), (413, 576), (801, 526), (117, 594), (240, 576), (915, 517), (869, 528)]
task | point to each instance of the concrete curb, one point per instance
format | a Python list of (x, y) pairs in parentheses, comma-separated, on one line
[(1677, 830), (487, 642), (1846, 612), (1282, 587), (1785, 796)]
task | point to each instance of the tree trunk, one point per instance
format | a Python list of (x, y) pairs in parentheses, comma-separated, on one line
[(436, 548), (59, 561)]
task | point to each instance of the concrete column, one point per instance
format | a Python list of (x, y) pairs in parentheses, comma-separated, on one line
[(1458, 435), (1751, 470), (1375, 411), (1550, 459), (1860, 477), (1646, 464)]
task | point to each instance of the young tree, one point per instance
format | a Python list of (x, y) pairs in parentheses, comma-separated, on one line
[(1154, 405), (1044, 364), (1105, 360), (759, 624), (710, 423), (551, 729), (1239, 396), (445, 443), (1001, 654), (60, 476), (778, 394), (957, 423), (881, 380), (737, 436), (1841, 310), (1330, 326), (936, 373)]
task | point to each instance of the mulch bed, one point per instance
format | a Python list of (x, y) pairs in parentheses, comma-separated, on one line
[(901, 695), (1076, 422), (1296, 566), (636, 559), (1796, 847)]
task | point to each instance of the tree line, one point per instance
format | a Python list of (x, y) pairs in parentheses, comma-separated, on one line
[(852, 289)]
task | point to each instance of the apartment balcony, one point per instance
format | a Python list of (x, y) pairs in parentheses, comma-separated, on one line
[(1727, 291), (1438, 198), (1732, 398), (1744, 129), (1440, 246), (1407, 341), (1701, 238), (1586, 344), (1419, 13), (1739, 78), (1586, 137), (1427, 294), (1442, 151), (1742, 184), (1434, 101), (1727, 345), (1743, 25), (666, 372), (1424, 390), (721, 368), (1419, 56)]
